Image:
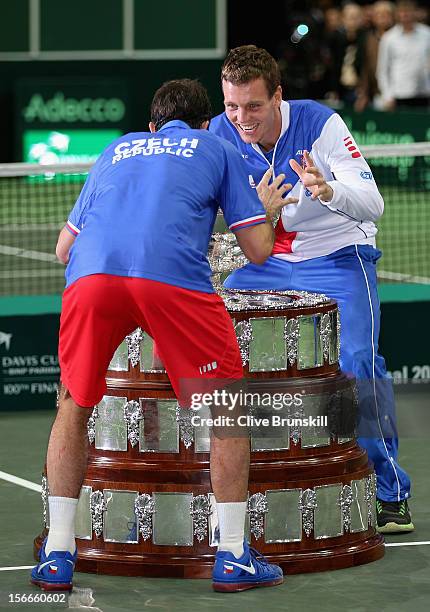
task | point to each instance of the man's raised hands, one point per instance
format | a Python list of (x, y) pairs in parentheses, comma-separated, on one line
[(312, 178), (272, 194)]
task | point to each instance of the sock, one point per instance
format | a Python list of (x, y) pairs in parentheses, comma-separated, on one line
[(231, 520), (62, 512)]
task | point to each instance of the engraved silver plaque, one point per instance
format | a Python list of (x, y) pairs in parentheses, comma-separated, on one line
[(149, 359), (359, 506), (119, 361), (328, 515), (120, 521), (309, 348), (315, 407), (172, 522), (334, 338), (283, 521), (110, 426), (202, 442), (266, 433), (159, 429), (267, 352), (83, 522)]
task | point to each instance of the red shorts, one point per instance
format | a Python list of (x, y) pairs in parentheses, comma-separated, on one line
[(193, 332)]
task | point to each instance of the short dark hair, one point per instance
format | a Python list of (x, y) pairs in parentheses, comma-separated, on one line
[(247, 63), (183, 99)]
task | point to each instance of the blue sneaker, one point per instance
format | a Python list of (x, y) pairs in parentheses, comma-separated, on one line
[(54, 572), (250, 571)]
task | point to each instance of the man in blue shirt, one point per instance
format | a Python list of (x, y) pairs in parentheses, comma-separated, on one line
[(325, 242), (135, 244)]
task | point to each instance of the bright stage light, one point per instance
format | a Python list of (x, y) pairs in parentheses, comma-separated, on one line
[(302, 29)]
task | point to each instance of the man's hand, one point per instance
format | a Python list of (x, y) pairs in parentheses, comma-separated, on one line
[(257, 241), (312, 178), (271, 196)]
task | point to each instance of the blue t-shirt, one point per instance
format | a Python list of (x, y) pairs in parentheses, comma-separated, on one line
[(149, 205)]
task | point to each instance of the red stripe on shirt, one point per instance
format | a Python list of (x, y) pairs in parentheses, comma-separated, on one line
[(283, 239), (71, 229), (247, 222)]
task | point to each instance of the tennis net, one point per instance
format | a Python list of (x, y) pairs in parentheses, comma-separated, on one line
[(34, 203), (36, 200)]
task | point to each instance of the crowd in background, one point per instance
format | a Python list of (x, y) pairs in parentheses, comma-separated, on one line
[(363, 55)]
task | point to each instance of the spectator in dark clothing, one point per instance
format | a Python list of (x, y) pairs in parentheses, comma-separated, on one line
[(368, 91), (347, 52)]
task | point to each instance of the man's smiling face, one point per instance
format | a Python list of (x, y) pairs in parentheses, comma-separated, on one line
[(253, 113)]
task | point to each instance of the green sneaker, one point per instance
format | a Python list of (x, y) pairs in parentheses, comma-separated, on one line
[(393, 517)]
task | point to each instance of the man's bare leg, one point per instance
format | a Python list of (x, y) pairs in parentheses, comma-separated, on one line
[(68, 447), (229, 468), (229, 476), (66, 465)]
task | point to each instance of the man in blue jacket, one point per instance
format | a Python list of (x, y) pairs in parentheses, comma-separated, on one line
[(324, 243)]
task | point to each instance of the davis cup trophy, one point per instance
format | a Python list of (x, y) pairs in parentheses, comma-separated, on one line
[(146, 506)]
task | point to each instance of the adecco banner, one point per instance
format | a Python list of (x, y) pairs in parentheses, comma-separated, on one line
[(53, 115), (29, 371), (58, 108), (381, 128)]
